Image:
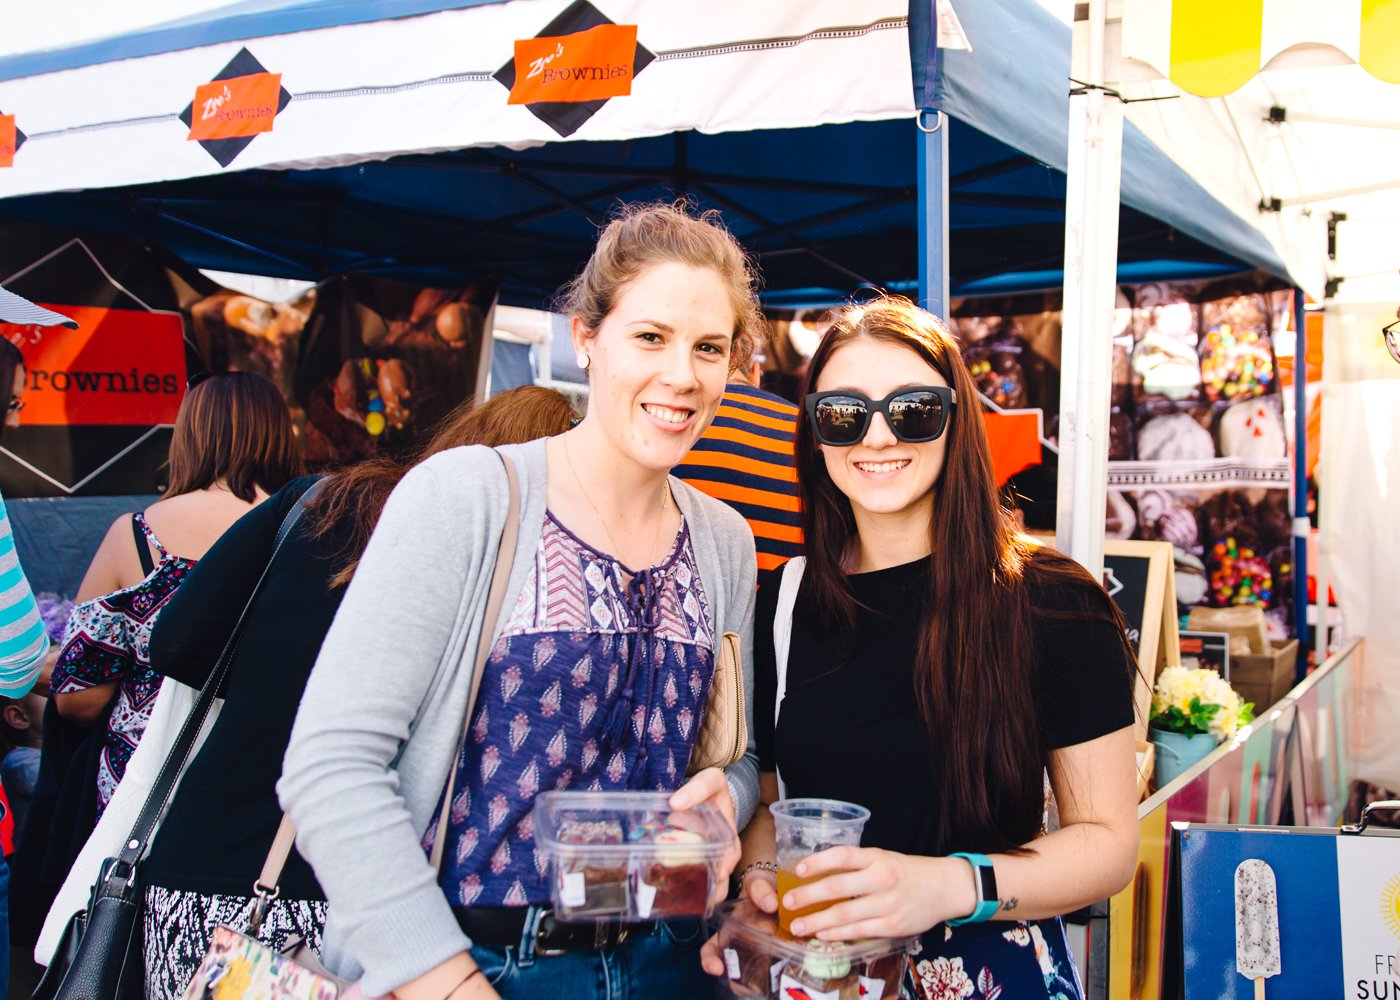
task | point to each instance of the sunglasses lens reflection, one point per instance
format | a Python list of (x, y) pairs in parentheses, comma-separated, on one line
[(841, 419), (917, 416)]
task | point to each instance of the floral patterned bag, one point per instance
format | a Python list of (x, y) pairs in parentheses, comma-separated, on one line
[(238, 966)]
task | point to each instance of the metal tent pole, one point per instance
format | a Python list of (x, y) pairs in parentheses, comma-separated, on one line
[(933, 212), (1302, 527)]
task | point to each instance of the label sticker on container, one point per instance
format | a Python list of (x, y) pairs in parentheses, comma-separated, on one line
[(646, 896), (871, 989), (731, 963), (573, 890), (789, 987), (774, 973)]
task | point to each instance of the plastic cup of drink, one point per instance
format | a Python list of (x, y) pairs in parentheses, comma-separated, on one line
[(804, 827)]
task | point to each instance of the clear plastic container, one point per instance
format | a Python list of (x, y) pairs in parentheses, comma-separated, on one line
[(763, 962), (629, 856)]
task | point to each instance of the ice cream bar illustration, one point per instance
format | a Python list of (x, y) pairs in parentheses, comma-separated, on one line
[(1256, 923)]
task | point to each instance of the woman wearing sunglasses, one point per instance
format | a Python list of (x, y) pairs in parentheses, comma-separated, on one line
[(931, 664)]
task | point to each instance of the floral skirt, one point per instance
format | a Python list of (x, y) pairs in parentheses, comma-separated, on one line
[(997, 960)]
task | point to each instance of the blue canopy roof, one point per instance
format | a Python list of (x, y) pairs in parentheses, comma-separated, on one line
[(826, 209)]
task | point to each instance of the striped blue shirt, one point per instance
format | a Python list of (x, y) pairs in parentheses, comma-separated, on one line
[(23, 643)]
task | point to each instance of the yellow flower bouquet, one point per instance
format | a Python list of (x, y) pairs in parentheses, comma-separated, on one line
[(1198, 701)]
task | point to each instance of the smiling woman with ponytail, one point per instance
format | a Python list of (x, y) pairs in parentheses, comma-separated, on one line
[(623, 582)]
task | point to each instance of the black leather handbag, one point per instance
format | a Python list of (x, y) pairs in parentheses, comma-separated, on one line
[(99, 956)]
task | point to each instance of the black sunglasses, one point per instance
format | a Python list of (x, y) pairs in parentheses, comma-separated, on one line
[(915, 414)]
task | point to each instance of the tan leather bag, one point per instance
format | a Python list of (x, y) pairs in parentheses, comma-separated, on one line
[(724, 731)]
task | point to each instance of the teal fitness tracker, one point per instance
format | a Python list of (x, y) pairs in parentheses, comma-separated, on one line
[(986, 878)]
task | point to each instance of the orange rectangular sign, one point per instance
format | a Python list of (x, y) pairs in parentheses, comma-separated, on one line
[(241, 106), (7, 140), (121, 366), (1014, 438), (591, 65)]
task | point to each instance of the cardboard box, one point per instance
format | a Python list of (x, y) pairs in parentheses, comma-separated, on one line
[(1267, 678)]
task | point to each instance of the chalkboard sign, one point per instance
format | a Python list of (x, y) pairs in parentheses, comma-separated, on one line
[(1139, 578)]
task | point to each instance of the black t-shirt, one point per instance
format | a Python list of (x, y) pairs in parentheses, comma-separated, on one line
[(216, 835), (850, 726)]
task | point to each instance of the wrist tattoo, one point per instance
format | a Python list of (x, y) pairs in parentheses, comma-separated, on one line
[(1009, 903)]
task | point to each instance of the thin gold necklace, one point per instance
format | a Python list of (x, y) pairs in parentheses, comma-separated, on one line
[(617, 550)]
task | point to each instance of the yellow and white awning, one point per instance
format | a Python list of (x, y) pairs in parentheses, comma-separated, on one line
[(1213, 47)]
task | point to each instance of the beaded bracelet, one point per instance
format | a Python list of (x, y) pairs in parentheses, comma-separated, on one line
[(757, 866)]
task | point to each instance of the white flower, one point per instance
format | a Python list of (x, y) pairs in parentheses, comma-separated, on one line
[(1177, 686), (944, 979), (1042, 952), (1018, 935)]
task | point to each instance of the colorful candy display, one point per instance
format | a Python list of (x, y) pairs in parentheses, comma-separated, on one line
[(1235, 363), (1238, 575)]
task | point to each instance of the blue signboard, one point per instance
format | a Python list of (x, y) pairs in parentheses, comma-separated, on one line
[(1289, 913)]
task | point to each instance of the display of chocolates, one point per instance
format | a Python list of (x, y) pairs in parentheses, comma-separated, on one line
[(762, 962), (627, 856)]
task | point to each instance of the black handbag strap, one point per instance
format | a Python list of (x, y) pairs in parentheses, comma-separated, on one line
[(181, 749)]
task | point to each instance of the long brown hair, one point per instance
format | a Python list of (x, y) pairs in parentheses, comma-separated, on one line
[(360, 491), (235, 427), (974, 674)]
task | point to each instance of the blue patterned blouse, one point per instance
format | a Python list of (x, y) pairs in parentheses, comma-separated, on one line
[(598, 681)]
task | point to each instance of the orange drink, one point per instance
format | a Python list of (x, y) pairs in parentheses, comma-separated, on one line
[(803, 827), (788, 880)]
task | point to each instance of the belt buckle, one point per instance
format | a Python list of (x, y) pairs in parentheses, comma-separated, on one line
[(547, 914)]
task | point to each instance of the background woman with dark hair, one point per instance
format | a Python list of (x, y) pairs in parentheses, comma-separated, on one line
[(938, 663), (212, 842), (232, 446)]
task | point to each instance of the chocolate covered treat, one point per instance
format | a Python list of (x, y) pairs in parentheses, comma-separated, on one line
[(823, 973), (995, 363), (676, 881), (590, 887), (1120, 436), (1253, 428), (1175, 437), (1164, 360), (1120, 522)]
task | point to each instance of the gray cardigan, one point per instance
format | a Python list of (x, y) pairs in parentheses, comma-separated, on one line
[(385, 705)]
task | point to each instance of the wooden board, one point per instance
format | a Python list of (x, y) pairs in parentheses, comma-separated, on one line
[(1139, 576)]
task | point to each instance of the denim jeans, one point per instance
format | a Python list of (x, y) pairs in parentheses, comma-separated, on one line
[(664, 963)]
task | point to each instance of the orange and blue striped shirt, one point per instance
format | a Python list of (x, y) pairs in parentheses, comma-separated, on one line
[(745, 459)]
